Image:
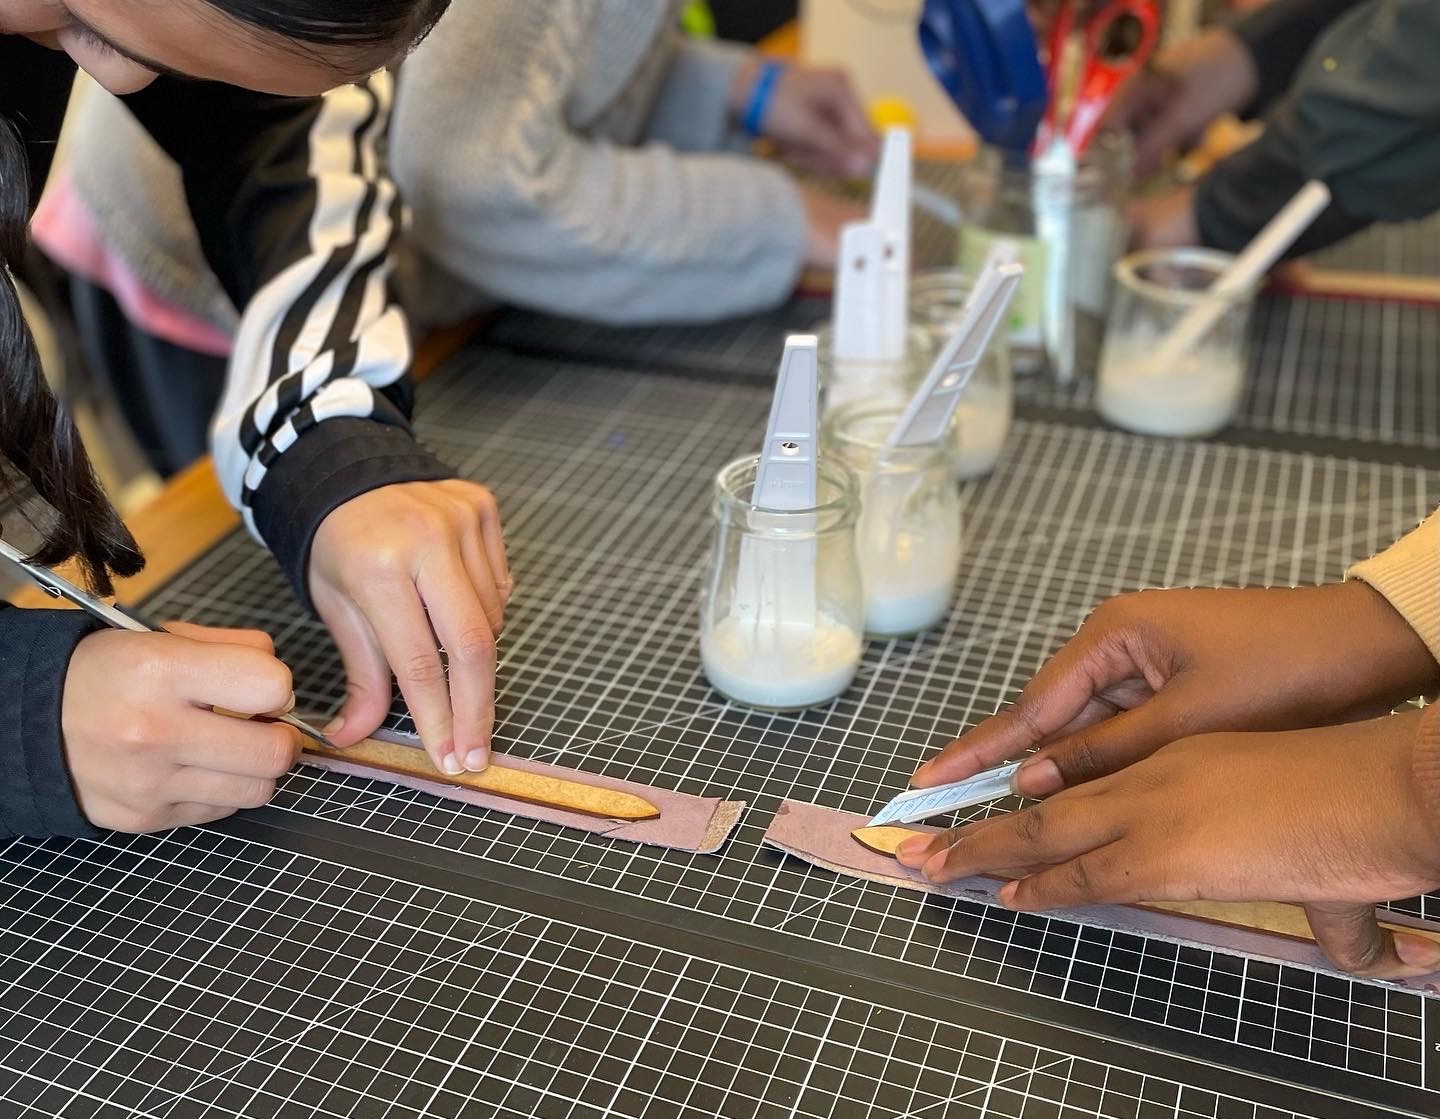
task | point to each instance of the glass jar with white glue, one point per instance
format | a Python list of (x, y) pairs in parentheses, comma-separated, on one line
[(1198, 391), (987, 406), (781, 606), (1058, 315), (908, 536)]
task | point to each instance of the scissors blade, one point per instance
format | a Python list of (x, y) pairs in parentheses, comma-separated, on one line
[(920, 804)]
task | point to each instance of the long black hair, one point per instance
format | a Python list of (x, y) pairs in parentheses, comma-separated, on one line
[(37, 436), (362, 24)]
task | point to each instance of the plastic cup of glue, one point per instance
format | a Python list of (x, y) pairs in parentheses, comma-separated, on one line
[(756, 647), (1196, 395), (908, 535)]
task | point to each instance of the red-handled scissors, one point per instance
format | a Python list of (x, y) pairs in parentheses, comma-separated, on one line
[(1087, 66)]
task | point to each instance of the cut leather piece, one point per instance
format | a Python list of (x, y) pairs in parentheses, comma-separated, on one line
[(823, 837), (685, 822)]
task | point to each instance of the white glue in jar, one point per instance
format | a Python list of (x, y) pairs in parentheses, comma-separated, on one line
[(1197, 393), (987, 406), (781, 606), (908, 534)]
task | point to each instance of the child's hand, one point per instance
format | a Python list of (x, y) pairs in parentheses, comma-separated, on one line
[(1149, 668), (814, 119), (397, 574), (145, 751), (1164, 221), (1338, 818), (1169, 104)]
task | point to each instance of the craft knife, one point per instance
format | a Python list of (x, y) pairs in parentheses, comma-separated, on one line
[(121, 617), (920, 804)]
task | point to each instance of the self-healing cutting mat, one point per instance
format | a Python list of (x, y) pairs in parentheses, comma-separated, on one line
[(604, 478)]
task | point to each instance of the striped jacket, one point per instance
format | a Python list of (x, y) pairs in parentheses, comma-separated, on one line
[(299, 220)]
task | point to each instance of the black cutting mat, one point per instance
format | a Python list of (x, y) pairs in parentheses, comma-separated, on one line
[(604, 478), (1411, 248), (194, 975)]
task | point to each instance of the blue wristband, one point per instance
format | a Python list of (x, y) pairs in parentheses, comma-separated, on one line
[(760, 98)]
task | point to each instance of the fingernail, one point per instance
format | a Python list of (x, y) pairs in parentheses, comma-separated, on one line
[(477, 761), (911, 852), (1418, 951), (1039, 778), (919, 776), (333, 726), (451, 765), (1007, 894), (289, 707)]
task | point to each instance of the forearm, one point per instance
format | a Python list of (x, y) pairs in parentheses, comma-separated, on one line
[(300, 222), (696, 109), (1407, 576), (36, 797), (620, 235)]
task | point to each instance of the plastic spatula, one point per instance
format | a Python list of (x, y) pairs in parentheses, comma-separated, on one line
[(777, 573), (927, 417)]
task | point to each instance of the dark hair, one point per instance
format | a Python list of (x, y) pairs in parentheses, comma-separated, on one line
[(360, 24), (36, 433)]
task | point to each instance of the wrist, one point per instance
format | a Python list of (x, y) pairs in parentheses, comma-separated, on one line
[(1425, 772), (753, 92), (1396, 663), (741, 85)]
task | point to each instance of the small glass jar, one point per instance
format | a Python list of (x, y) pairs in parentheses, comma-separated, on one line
[(1055, 323), (842, 382), (987, 407), (781, 607), (908, 534), (1200, 392)]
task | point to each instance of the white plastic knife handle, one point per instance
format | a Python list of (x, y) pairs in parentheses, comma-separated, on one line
[(787, 476), (860, 334), (890, 213), (927, 417)]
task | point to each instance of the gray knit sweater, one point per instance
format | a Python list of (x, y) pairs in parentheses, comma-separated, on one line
[(574, 156)]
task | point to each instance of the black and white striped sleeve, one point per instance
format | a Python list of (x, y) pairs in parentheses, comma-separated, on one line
[(299, 218)]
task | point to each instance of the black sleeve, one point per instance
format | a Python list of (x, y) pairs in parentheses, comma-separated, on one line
[(36, 797), (1279, 35), (1363, 117), (1244, 191), (300, 219)]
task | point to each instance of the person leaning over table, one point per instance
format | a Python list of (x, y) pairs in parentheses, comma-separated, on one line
[(1349, 94), (579, 157), (114, 729), (1228, 745)]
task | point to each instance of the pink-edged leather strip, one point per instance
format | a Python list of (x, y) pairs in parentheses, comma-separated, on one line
[(822, 836), (686, 823)]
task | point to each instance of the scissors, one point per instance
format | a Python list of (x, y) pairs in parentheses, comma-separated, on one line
[(1088, 65), (121, 617), (984, 54)]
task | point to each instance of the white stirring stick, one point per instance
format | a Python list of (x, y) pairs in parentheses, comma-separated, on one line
[(860, 335), (1245, 271), (777, 574), (890, 213), (927, 417)]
